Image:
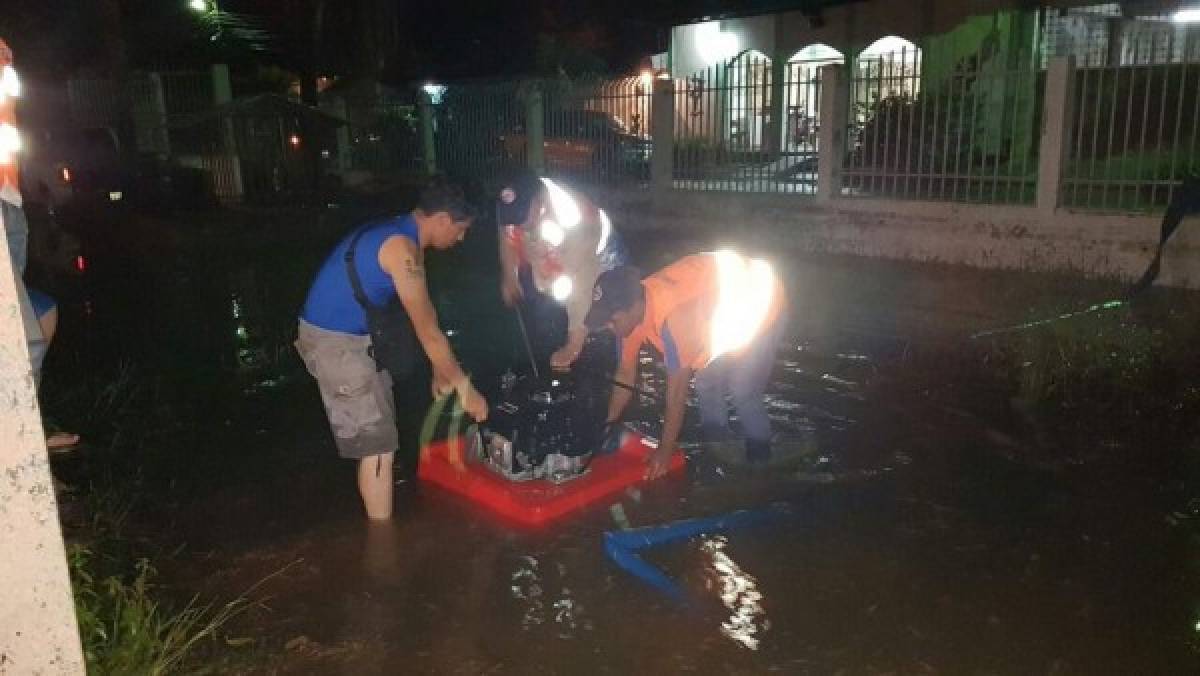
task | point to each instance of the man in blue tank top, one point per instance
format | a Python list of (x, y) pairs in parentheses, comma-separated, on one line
[(334, 341)]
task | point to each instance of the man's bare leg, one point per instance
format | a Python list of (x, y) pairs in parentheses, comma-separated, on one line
[(375, 485), (58, 441)]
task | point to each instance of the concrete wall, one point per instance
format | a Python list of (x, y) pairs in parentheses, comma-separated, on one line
[(38, 633), (1020, 238)]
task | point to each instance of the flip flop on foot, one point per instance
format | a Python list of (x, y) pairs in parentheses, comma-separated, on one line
[(61, 442)]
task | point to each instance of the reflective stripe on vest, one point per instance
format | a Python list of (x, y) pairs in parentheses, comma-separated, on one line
[(10, 140), (746, 289), (553, 231)]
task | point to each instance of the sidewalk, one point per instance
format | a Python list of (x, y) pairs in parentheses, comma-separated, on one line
[(918, 302)]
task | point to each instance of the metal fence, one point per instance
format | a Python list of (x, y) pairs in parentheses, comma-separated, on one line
[(479, 128), (385, 138), (748, 126), (1133, 136), (593, 131), (958, 132), (1108, 34), (598, 131)]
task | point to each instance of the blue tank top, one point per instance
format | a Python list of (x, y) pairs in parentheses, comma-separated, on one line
[(330, 304)]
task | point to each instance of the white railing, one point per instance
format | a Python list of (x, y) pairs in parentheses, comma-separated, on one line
[(942, 131), (1133, 135)]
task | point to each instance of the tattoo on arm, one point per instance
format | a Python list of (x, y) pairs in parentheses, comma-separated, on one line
[(413, 268)]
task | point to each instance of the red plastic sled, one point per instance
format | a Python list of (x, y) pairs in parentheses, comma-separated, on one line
[(536, 503)]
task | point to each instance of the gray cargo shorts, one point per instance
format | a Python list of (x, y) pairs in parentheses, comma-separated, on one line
[(357, 397)]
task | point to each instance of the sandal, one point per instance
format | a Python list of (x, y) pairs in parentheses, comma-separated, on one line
[(61, 442)]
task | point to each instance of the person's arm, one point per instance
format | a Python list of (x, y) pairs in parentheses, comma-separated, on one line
[(510, 261), (510, 254), (583, 265), (401, 260), (676, 405), (621, 396)]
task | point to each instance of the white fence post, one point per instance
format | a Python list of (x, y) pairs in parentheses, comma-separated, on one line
[(662, 131), (149, 107), (428, 142), (1056, 131), (227, 171), (776, 121), (38, 630), (222, 86), (831, 136), (535, 133)]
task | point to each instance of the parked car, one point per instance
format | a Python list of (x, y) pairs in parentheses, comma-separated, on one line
[(63, 165), (586, 142)]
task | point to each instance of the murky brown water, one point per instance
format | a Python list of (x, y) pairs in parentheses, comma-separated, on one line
[(915, 545)]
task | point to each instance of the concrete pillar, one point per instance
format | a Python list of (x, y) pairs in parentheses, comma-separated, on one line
[(222, 85), (222, 88), (831, 136), (662, 131), (337, 108), (1116, 27), (38, 631), (428, 143), (1056, 131), (150, 116), (535, 133), (777, 111)]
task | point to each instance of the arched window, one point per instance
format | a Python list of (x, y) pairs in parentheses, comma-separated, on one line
[(749, 77), (802, 97), (888, 68), (818, 54)]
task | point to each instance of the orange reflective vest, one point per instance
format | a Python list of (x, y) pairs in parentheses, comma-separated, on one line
[(706, 306)]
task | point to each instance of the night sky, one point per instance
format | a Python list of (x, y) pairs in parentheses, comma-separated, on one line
[(56, 39)]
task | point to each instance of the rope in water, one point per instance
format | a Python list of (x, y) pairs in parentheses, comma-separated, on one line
[(1185, 200), (1098, 307)]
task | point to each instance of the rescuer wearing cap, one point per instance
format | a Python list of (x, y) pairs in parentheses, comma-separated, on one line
[(716, 315), (553, 245)]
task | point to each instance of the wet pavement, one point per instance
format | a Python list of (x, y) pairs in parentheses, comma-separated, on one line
[(915, 543)]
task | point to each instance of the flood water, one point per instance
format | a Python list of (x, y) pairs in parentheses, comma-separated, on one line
[(910, 544)]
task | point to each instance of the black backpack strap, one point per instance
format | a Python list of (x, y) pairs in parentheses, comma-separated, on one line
[(352, 272)]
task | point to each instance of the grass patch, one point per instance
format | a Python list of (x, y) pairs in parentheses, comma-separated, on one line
[(1123, 371), (129, 623), (126, 627)]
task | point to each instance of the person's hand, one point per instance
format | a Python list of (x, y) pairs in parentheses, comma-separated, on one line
[(442, 384), (563, 357), (658, 463), (566, 355), (472, 401), (510, 290)]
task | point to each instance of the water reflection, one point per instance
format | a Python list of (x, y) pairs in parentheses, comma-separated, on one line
[(739, 592), (261, 341), (526, 585), (382, 549)]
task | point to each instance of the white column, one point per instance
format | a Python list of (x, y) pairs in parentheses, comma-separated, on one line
[(428, 142), (535, 133), (662, 131), (1056, 131), (831, 136), (231, 164), (38, 632)]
